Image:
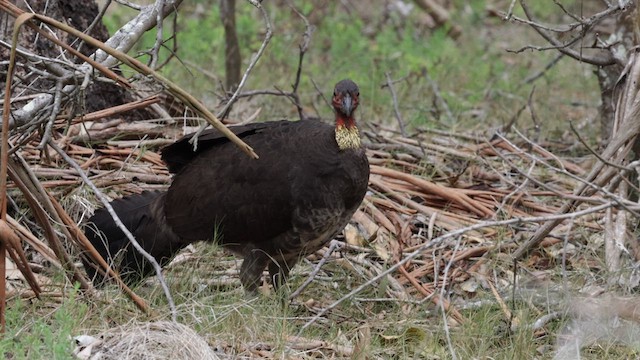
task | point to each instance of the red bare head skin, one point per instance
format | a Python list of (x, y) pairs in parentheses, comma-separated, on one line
[(345, 102)]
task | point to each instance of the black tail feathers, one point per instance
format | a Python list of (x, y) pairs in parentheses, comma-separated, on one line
[(143, 215)]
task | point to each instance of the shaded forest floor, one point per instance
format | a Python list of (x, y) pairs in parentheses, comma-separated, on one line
[(458, 203)]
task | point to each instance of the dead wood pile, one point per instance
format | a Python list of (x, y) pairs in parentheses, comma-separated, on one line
[(421, 187)]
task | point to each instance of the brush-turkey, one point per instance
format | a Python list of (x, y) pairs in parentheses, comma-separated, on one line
[(302, 191)]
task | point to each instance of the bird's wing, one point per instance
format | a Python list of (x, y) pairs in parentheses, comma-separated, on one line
[(248, 200), (181, 152)]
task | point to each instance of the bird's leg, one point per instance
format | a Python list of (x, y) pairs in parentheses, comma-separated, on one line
[(251, 271), (279, 272)]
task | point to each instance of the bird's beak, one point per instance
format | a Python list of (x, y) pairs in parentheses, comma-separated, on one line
[(347, 104)]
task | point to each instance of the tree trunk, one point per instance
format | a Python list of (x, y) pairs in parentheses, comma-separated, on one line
[(79, 14), (232, 61)]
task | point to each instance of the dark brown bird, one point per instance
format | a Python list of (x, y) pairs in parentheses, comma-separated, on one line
[(309, 180)]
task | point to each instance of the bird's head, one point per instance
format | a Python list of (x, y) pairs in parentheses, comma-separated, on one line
[(345, 98), (345, 102)]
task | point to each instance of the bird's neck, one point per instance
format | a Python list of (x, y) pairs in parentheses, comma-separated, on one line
[(347, 135)]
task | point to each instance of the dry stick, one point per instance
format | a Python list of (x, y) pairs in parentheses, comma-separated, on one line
[(503, 306), (539, 74), (430, 266), (181, 94), (124, 229), (57, 101), (439, 240), (593, 186), (236, 95), (420, 148), (629, 130), (389, 204), (178, 92), (442, 291), (396, 110), (446, 221), (509, 13), (39, 246), (3, 209), (379, 216), (4, 157), (595, 153), (332, 247), (507, 127), (432, 188), (44, 212), (428, 294), (26, 17), (123, 40), (174, 89), (118, 109), (293, 95), (321, 93), (605, 59), (267, 38), (86, 244), (155, 52), (547, 155), (553, 191), (14, 247), (97, 20), (304, 46), (532, 112)]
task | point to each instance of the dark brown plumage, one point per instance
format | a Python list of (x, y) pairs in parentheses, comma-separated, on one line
[(309, 180)]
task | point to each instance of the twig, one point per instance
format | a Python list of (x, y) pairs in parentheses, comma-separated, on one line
[(439, 240), (321, 93), (4, 160), (121, 226), (618, 148), (45, 213), (445, 323), (509, 13), (94, 22), (586, 184), (155, 51), (604, 58), (267, 38), (508, 126), (534, 117), (304, 46), (396, 110), (130, 5), (533, 77), (332, 247), (123, 40), (174, 41), (57, 100), (438, 95), (595, 153), (293, 94)]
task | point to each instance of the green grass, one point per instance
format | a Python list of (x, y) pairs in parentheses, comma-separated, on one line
[(43, 329), (481, 82), (221, 314)]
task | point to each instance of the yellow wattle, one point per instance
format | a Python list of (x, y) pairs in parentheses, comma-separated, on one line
[(347, 137)]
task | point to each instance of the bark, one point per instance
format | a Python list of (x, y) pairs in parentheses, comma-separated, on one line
[(232, 62), (79, 14)]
